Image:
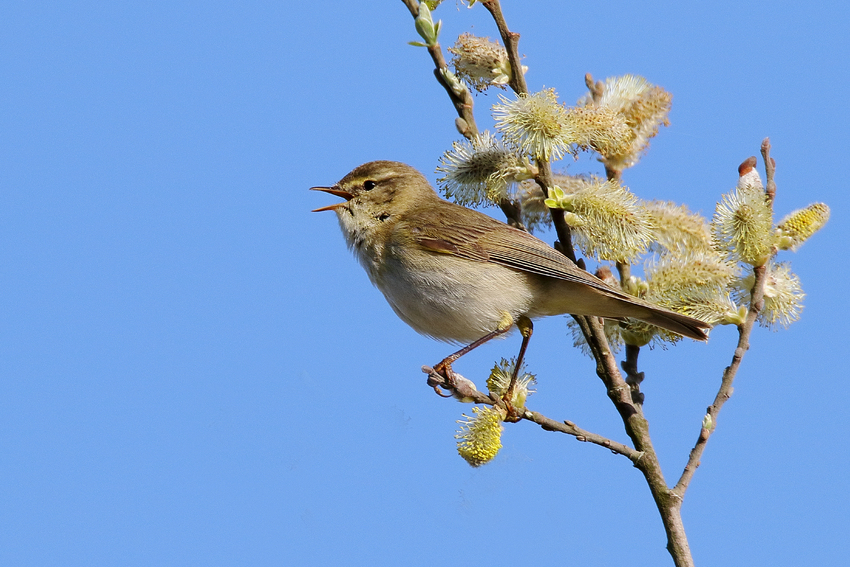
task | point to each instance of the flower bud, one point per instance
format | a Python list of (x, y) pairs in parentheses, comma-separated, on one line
[(425, 26), (798, 226), (743, 224), (500, 380), (480, 436), (481, 62)]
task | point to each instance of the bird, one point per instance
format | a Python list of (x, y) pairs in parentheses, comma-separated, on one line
[(458, 275)]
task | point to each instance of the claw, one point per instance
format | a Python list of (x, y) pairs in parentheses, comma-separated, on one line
[(512, 415), (440, 393), (444, 368), (440, 378)]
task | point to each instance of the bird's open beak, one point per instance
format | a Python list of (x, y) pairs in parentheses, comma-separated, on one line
[(333, 191)]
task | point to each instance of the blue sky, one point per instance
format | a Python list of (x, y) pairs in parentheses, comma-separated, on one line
[(195, 371)]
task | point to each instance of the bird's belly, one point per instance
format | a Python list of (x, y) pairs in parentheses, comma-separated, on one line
[(459, 302)]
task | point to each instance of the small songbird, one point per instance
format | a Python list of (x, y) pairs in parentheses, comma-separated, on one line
[(458, 275)]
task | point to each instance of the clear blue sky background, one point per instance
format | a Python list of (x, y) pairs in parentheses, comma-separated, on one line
[(195, 371)]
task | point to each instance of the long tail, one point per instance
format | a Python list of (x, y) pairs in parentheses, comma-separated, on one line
[(676, 322), (597, 299), (630, 306)]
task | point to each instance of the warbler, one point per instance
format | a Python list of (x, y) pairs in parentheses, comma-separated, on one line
[(458, 275)]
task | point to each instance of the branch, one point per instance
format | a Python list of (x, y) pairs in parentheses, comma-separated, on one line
[(464, 102), (465, 391), (769, 170), (744, 331), (580, 434), (511, 41), (519, 86), (618, 390), (668, 503)]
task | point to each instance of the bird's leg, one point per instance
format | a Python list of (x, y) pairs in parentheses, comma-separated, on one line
[(526, 328), (444, 367)]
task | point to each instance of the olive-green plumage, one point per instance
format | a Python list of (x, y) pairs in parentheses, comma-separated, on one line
[(456, 274)]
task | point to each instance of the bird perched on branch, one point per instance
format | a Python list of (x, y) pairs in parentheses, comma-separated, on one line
[(458, 275)]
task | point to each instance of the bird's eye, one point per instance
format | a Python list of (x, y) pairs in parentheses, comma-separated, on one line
[(369, 185)]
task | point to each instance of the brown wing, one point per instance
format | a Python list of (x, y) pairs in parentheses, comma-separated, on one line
[(480, 238)]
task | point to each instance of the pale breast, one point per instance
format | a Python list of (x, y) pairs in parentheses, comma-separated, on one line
[(452, 299)]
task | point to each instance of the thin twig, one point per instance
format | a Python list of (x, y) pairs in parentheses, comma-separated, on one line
[(571, 428), (769, 170), (725, 391), (744, 331), (465, 122), (625, 271), (466, 392), (517, 83), (511, 41), (562, 229), (462, 102), (633, 376)]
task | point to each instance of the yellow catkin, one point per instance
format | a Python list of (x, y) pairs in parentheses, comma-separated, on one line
[(480, 436)]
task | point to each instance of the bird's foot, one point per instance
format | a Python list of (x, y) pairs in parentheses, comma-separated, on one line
[(512, 415), (441, 377)]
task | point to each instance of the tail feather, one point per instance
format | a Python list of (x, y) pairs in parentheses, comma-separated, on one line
[(560, 296), (676, 322), (636, 308)]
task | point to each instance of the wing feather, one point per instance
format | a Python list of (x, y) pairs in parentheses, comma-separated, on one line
[(476, 237), (480, 238)]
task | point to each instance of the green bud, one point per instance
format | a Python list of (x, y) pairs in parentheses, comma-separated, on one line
[(451, 79), (735, 318), (425, 25)]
